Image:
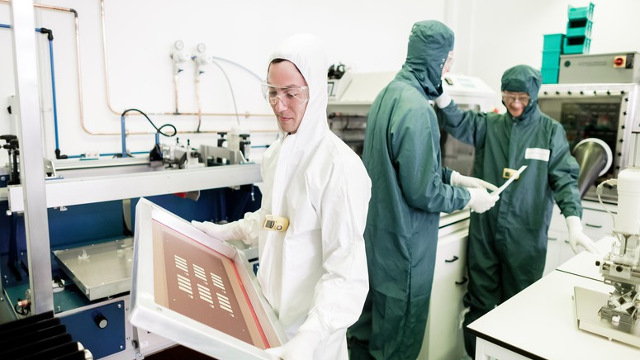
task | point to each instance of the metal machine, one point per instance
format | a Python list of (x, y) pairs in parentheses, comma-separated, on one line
[(66, 240), (92, 257), (621, 267), (593, 110), (90, 217), (609, 112), (617, 315)]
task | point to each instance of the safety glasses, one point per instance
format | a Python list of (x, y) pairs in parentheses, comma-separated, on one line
[(289, 95), (509, 98), (449, 62)]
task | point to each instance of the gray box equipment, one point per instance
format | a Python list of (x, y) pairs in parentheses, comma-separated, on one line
[(610, 68)]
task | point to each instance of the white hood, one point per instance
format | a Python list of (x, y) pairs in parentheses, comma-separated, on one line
[(306, 52)]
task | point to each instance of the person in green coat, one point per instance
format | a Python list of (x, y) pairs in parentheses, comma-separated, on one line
[(410, 189), (507, 245)]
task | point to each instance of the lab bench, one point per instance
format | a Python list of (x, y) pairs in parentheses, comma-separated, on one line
[(540, 322)]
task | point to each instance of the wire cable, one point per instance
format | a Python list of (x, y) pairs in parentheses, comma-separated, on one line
[(233, 96), (158, 129), (240, 66)]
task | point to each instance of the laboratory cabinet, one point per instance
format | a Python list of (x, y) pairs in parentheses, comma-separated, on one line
[(443, 336)]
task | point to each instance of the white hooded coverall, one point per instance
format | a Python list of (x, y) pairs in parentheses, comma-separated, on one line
[(314, 275)]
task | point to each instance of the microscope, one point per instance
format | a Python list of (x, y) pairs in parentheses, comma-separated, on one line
[(621, 266), (616, 315)]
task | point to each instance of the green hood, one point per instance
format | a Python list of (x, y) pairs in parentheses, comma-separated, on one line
[(429, 45), (523, 78)]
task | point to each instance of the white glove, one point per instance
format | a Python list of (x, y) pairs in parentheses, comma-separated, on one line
[(223, 232), (443, 100), (481, 200), (300, 347), (470, 182), (578, 237)]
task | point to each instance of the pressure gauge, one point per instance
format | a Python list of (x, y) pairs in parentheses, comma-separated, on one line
[(201, 48), (178, 45)]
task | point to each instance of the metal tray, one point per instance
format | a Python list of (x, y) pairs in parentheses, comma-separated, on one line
[(99, 270)]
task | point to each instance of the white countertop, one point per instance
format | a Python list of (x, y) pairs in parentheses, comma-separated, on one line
[(540, 322)]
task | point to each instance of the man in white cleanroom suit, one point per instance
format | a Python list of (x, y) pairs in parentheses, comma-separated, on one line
[(313, 272)]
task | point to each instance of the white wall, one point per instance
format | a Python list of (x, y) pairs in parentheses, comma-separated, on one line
[(366, 35), (491, 36), (504, 33)]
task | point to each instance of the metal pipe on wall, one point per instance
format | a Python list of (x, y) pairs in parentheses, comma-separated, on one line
[(107, 87), (198, 113)]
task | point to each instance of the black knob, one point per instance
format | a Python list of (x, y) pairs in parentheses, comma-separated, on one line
[(597, 262), (101, 321), (619, 268)]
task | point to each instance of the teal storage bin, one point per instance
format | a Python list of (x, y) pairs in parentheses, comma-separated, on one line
[(550, 75), (551, 59), (577, 45), (553, 42), (581, 27), (581, 12)]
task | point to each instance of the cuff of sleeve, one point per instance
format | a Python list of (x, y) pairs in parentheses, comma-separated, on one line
[(443, 100), (313, 326), (455, 176), (573, 224)]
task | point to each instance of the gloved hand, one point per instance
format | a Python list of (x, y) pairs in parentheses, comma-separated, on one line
[(481, 200), (470, 182), (300, 347), (443, 100), (221, 232), (578, 237)]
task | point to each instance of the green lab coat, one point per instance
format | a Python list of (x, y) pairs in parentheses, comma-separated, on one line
[(410, 189)]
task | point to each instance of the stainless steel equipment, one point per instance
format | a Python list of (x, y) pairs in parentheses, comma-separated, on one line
[(622, 67), (99, 270), (617, 315), (603, 111), (595, 158)]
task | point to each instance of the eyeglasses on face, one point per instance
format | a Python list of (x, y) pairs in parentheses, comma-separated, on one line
[(511, 98), (289, 95)]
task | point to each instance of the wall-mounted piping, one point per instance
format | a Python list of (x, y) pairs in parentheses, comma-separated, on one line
[(53, 91), (108, 92), (109, 105), (79, 70), (49, 34)]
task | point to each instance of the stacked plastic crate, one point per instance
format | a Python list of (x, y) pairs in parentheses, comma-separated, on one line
[(551, 52), (577, 40)]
